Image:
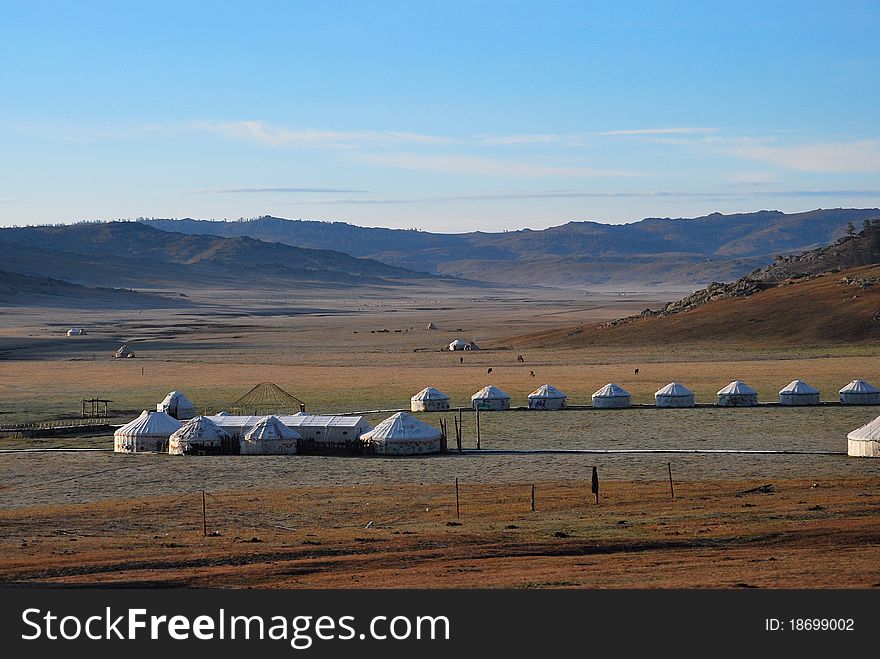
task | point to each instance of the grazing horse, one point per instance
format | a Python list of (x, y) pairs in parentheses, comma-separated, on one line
[(636, 371), (488, 371), (520, 359), (531, 374)]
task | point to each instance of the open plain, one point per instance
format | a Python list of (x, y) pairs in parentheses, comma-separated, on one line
[(806, 519)]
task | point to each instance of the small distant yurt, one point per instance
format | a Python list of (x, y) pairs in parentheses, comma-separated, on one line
[(612, 396), (124, 352), (149, 433), (176, 404), (432, 326), (76, 331), (403, 434), (864, 442), (269, 437), (737, 394), (674, 394), (547, 397), (798, 392), (490, 398), (429, 399), (860, 392), (200, 436), (458, 344)]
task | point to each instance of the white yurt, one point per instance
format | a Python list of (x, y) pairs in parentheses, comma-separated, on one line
[(674, 394), (612, 396), (149, 433), (199, 436), (429, 399), (860, 392), (864, 442), (737, 394), (458, 344), (269, 437), (432, 326), (76, 331), (403, 434), (547, 397), (490, 398), (176, 404), (798, 392)]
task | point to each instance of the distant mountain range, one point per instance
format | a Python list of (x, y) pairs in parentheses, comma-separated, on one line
[(826, 295), (134, 255), (672, 253)]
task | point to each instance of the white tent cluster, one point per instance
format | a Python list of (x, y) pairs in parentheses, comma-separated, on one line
[(403, 434), (547, 397), (737, 394), (860, 392), (612, 396), (149, 432), (798, 392), (429, 399), (490, 398), (674, 394), (176, 404)]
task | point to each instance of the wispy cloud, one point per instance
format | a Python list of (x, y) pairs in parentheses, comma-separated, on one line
[(283, 190), (832, 157), (482, 166), (675, 130), (574, 194), (264, 133)]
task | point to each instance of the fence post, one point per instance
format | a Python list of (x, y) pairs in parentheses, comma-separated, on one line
[(457, 508), (533, 497), (671, 488), (204, 516)]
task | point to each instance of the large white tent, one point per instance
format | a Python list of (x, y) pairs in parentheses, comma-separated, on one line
[(490, 398), (547, 397), (403, 434), (315, 429), (612, 396), (674, 394), (76, 331), (429, 399), (860, 392), (798, 392), (737, 394), (458, 344), (199, 436), (864, 442), (269, 437), (149, 433), (176, 404)]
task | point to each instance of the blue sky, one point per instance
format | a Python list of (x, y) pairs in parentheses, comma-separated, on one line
[(445, 116)]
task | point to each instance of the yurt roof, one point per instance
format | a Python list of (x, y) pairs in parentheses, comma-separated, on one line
[(267, 396), (459, 342), (547, 391), (402, 426), (798, 387), (868, 432), (612, 390), (859, 387), (179, 397), (271, 428), (490, 392), (674, 389), (430, 393), (150, 424), (736, 387), (201, 427)]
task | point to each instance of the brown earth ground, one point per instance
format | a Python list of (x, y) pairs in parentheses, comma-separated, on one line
[(791, 534), (328, 350)]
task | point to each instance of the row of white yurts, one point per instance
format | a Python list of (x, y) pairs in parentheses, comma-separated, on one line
[(674, 394)]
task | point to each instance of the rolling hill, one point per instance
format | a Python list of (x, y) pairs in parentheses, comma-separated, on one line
[(134, 255), (824, 296), (662, 252)]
